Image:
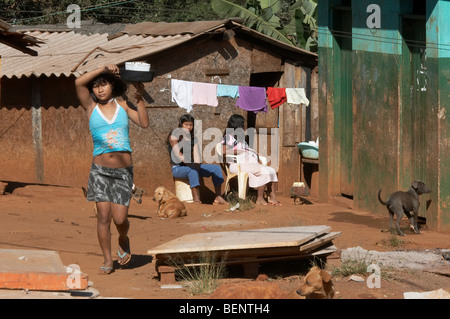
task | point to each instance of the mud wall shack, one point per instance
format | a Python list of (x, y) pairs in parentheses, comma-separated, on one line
[(383, 97), (44, 133)]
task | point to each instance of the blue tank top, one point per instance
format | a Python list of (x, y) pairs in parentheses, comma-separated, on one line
[(110, 135)]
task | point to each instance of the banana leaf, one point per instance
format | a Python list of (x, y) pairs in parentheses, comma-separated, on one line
[(228, 9)]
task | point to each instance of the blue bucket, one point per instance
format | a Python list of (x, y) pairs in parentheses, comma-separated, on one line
[(308, 150)]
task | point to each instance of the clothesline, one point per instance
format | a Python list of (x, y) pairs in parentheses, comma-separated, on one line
[(249, 98)]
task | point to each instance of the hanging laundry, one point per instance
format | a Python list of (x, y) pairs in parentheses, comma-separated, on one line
[(252, 98), (276, 96), (296, 96), (182, 93), (227, 90), (204, 93)]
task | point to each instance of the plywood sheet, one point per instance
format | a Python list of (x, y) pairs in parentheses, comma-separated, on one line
[(20, 261), (241, 239), (327, 250), (320, 241)]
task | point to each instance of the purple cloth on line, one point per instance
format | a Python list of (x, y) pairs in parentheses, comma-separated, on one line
[(252, 98)]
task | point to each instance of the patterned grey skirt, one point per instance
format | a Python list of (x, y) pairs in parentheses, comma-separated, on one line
[(110, 184)]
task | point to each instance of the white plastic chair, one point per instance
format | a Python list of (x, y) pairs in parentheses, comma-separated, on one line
[(241, 176)]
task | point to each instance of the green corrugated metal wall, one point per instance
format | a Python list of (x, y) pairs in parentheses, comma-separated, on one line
[(383, 98)]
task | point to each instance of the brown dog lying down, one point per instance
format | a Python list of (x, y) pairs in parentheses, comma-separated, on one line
[(317, 285), (169, 204)]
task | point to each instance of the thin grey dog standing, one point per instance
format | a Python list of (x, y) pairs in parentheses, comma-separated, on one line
[(405, 202)]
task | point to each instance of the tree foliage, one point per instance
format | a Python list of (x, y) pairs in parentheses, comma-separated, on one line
[(290, 21), (32, 12), (258, 15)]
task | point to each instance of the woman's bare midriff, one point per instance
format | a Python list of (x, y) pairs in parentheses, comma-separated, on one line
[(114, 159)]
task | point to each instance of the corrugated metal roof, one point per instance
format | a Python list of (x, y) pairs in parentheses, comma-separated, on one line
[(63, 51), (67, 53)]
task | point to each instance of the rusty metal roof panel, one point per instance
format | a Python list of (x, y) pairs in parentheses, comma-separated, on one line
[(66, 53), (126, 48)]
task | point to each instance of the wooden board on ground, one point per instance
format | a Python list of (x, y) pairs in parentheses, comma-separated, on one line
[(246, 247), (17, 260), (318, 241), (37, 270), (241, 240)]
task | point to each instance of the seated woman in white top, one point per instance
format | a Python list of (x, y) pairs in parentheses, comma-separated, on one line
[(259, 176)]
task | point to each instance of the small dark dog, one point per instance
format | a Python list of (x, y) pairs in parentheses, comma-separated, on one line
[(405, 202)]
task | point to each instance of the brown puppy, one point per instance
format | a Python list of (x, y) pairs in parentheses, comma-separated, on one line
[(169, 204), (317, 285)]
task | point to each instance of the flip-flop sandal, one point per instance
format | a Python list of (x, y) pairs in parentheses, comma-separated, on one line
[(106, 270), (124, 258)]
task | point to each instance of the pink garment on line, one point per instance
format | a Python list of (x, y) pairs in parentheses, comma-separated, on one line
[(205, 94)]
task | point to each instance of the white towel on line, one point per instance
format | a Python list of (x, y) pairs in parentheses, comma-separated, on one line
[(182, 93), (296, 96)]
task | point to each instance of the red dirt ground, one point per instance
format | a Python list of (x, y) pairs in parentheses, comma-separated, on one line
[(60, 219)]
